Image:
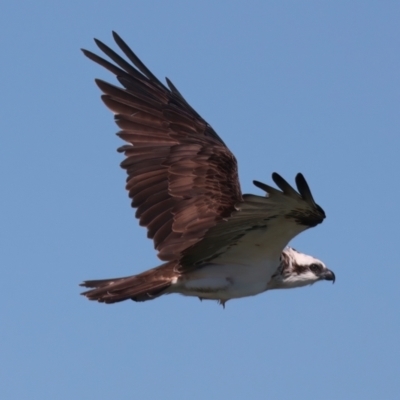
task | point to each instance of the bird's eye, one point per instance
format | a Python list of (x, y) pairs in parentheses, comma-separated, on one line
[(314, 267)]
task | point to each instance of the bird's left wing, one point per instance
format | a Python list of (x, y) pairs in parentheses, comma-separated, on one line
[(182, 178)]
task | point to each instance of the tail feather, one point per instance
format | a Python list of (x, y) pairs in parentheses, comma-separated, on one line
[(145, 286)]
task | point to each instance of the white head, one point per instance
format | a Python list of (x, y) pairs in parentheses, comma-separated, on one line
[(298, 269)]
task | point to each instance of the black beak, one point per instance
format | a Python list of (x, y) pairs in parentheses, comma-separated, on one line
[(328, 275)]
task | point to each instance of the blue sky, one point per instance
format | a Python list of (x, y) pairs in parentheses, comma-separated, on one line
[(291, 87)]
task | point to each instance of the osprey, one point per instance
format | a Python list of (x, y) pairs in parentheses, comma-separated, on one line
[(216, 243)]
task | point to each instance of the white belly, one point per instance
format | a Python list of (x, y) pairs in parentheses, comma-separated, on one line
[(226, 281), (243, 269)]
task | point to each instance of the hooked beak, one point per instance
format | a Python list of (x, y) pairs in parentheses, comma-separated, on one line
[(328, 276)]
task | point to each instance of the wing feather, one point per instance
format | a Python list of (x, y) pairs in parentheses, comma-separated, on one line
[(282, 213), (181, 176)]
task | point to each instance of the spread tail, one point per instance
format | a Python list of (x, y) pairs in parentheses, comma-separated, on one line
[(145, 286)]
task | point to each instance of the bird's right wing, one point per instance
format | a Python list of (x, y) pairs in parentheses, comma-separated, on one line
[(280, 216)]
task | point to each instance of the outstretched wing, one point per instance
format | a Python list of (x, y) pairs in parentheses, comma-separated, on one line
[(182, 178), (261, 227)]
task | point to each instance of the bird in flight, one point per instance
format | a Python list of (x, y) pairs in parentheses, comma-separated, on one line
[(215, 242)]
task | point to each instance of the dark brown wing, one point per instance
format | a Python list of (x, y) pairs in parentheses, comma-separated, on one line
[(181, 176)]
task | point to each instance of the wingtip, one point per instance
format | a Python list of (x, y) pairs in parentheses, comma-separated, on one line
[(269, 190), (260, 185), (301, 182), (278, 179), (300, 176), (275, 176), (85, 52), (305, 191), (115, 35)]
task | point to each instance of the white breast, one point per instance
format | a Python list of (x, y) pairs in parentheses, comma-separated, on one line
[(243, 269), (226, 281)]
